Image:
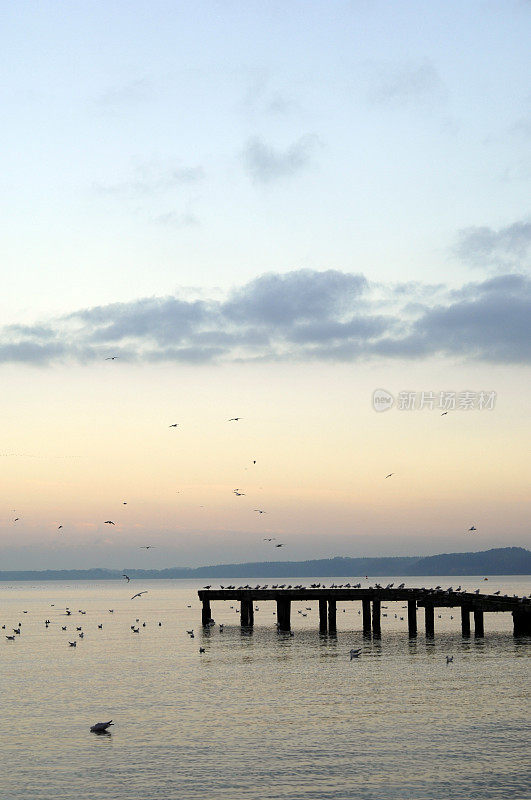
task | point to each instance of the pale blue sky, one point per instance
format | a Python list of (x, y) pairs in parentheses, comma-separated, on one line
[(298, 184), (150, 145)]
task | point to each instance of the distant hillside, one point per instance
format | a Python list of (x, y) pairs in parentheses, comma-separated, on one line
[(499, 561), (502, 561)]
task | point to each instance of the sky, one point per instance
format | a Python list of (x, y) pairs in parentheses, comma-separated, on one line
[(271, 211)]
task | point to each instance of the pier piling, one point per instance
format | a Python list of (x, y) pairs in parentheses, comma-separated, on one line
[(429, 620), (206, 613), (332, 625), (465, 621), (284, 614), (323, 622), (376, 621), (478, 623), (246, 613), (521, 623), (412, 618), (366, 613)]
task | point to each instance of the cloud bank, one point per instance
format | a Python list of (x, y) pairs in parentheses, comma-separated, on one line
[(302, 315)]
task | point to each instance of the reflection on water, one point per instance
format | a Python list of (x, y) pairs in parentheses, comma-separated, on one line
[(257, 715)]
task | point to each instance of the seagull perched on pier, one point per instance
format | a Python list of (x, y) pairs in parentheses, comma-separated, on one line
[(355, 653), (101, 727), (138, 594)]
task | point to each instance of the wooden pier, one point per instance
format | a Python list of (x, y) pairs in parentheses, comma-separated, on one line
[(371, 601)]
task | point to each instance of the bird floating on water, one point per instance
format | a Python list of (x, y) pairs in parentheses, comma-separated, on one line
[(472, 528), (101, 727), (355, 653), (449, 659)]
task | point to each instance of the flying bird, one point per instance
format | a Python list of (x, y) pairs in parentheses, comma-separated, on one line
[(279, 545), (391, 473), (444, 413), (472, 528), (111, 358), (175, 425), (139, 594), (260, 511), (108, 522), (146, 546), (126, 577), (59, 528), (234, 419), (101, 727)]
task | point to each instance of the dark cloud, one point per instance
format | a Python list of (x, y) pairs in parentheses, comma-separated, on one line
[(295, 296), (298, 316), (505, 248), (265, 163)]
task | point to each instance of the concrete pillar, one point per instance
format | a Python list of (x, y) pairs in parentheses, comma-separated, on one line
[(465, 621), (412, 618), (429, 620), (478, 623), (206, 614), (376, 622), (323, 622), (366, 614), (284, 614), (332, 627)]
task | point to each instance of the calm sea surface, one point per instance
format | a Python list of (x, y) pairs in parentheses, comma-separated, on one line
[(256, 716)]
